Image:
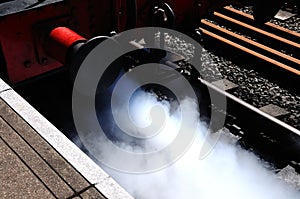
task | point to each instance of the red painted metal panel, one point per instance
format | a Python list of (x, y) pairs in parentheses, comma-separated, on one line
[(23, 34)]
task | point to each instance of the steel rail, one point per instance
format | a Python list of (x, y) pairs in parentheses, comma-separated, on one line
[(270, 24), (251, 52), (258, 30)]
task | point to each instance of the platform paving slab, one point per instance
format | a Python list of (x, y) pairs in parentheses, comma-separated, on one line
[(38, 161), (30, 167)]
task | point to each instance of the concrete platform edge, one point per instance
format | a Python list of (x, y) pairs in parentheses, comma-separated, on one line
[(80, 161)]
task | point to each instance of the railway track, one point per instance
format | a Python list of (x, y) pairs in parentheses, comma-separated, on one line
[(277, 47), (274, 52), (261, 59)]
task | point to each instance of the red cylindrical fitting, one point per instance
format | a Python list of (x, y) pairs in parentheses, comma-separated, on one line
[(59, 41)]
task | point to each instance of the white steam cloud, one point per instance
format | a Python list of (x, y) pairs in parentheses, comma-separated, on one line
[(227, 172)]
